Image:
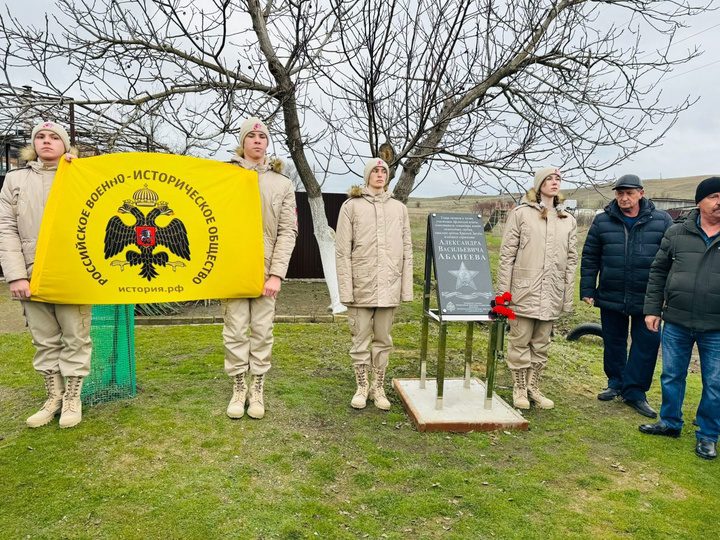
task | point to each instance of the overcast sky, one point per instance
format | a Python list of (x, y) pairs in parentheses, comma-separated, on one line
[(689, 149)]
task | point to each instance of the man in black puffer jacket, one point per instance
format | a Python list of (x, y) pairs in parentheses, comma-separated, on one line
[(620, 247), (684, 288)]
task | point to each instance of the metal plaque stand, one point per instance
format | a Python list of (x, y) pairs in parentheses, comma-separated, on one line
[(473, 404), (496, 337)]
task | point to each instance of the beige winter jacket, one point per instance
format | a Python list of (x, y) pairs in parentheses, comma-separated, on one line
[(22, 202), (373, 251), (538, 259), (279, 215)]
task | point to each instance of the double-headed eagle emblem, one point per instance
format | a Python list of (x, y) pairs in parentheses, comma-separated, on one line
[(146, 235)]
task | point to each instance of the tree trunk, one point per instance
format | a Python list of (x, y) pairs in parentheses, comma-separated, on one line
[(325, 237), (414, 162), (324, 234), (407, 179)]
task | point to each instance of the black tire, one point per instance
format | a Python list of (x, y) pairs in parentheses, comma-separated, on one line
[(585, 329)]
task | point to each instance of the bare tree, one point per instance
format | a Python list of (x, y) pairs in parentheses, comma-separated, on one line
[(470, 85), (200, 66), (500, 86), (95, 132)]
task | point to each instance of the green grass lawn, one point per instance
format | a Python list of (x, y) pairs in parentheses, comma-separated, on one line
[(169, 464)]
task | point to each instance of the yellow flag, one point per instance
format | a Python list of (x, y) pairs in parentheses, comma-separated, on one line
[(140, 228)]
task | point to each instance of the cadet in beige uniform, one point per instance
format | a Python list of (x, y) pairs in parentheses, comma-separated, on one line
[(252, 353), (373, 251), (538, 259), (60, 332)]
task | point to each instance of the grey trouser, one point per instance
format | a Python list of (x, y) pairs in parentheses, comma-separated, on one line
[(61, 335), (371, 340), (528, 342), (243, 351)]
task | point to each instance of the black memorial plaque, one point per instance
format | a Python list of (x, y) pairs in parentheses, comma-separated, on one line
[(462, 264)]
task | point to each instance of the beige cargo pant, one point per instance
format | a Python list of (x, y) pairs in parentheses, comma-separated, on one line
[(61, 335), (528, 342), (371, 340), (245, 352)]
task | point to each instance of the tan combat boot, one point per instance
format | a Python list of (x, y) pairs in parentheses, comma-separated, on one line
[(236, 408), (534, 388), (72, 406), (55, 387), (377, 390), (256, 404), (359, 400), (520, 389)]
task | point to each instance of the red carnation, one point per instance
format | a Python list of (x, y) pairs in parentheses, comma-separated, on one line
[(502, 310)]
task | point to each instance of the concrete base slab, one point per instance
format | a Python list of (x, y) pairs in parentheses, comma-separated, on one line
[(463, 409)]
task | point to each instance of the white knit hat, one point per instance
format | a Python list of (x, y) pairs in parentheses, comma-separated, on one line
[(252, 124), (370, 164), (542, 174), (57, 129)]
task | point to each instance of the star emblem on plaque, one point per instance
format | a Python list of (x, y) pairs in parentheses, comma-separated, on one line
[(464, 277)]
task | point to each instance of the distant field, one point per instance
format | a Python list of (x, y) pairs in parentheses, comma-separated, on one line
[(587, 197)]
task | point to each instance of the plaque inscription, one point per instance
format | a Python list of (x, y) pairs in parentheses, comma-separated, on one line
[(462, 264)]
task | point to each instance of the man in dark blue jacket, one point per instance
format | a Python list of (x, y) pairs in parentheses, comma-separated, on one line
[(619, 250)]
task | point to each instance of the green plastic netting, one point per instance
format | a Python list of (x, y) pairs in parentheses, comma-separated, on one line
[(112, 372)]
